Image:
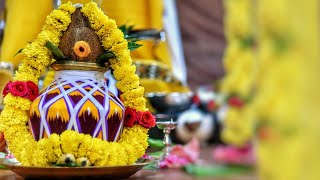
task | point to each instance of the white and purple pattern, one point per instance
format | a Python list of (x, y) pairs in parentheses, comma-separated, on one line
[(94, 111)]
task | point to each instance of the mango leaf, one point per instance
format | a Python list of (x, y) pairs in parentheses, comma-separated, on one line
[(155, 143), (101, 60), (132, 39), (123, 28), (55, 51), (217, 170), (133, 46), (67, 165), (126, 29), (20, 51)]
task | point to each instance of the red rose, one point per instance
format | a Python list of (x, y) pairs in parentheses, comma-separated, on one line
[(211, 105), (19, 88), (6, 89), (236, 102), (147, 120), (196, 100), (33, 90), (130, 117)]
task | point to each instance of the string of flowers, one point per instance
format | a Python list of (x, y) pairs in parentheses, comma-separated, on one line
[(285, 103), (282, 83), (240, 66), (14, 117)]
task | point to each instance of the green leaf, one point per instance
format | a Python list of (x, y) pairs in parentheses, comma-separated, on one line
[(132, 38), (216, 170), (55, 50), (101, 60), (67, 165), (247, 42), (130, 28), (155, 143), (133, 46), (20, 51), (123, 28)]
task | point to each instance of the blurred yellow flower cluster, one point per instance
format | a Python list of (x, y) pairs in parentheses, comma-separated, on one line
[(14, 117), (281, 81), (240, 65), (287, 57)]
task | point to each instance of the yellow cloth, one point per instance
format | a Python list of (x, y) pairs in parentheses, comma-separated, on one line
[(145, 14), (24, 21)]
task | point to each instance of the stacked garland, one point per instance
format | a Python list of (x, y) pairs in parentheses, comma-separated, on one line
[(283, 110), (240, 64), (283, 102), (47, 151)]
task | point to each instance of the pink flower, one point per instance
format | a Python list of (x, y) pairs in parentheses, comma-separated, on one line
[(174, 161), (196, 100), (236, 102), (233, 155), (182, 155), (9, 156)]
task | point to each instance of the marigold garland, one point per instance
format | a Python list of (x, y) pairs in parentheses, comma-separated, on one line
[(284, 111), (46, 151), (240, 66)]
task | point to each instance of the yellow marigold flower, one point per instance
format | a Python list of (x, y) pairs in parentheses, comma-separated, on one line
[(57, 19), (106, 30), (25, 76), (38, 67), (52, 148), (120, 73), (69, 142), (45, 36), (96, 152), (128, 83), (85, 147), (133, 94), (68, 7), (17, 102), (138, 103), (12, 116), (112, 38)]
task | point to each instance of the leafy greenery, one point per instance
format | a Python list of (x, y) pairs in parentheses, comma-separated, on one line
[(217, 170), (103, 59), (247, 42), (56, 52), (132, 45), (155, 143), (20, 51), (131, 38), (67, 165)]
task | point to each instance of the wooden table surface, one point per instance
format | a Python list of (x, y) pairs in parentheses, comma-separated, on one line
[(168, 174)]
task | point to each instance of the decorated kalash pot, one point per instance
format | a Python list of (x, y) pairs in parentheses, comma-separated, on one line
[(76, 120), (78, 98)]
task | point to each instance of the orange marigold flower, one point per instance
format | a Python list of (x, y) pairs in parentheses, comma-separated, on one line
[(81, 49)]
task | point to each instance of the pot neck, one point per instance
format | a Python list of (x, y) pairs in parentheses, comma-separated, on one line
[(73, 74)]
